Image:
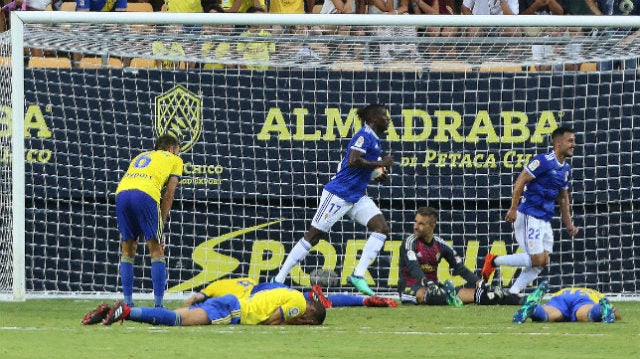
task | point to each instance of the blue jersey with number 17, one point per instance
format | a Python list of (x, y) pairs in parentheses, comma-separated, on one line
[(549, 178), (350, 183)]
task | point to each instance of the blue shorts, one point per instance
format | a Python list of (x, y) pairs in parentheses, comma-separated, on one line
[(221, 310), (138, 215), (568, 305)]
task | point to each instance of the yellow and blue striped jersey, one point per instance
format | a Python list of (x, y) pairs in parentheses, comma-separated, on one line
[(239, 287), (593, 294), (149, 172), (258, 307)]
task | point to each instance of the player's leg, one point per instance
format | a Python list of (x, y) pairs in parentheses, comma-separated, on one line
[(534, 236), (151, 227), (367, 213), (129, 229), (158, 271), (530, 304), (330, 210)]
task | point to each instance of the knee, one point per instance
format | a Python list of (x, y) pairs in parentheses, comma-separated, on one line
[(540, 260), (314, 235)]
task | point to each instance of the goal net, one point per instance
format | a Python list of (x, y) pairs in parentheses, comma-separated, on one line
[(265, 106)]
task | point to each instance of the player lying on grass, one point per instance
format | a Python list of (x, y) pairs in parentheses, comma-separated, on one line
[(244, 287), (420, 254), (567, 305), (266, 307)]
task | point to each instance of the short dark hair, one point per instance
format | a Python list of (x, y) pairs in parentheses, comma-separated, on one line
[(319, 314), (428, 211), (366, 114), (560, 131), (164, 142), (208, 5)]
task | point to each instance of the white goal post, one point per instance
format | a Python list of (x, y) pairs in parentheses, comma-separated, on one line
[(264, 106)]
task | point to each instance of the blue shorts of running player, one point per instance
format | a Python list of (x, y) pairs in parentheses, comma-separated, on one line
[(221, 310), (568, 305), (138, 215)]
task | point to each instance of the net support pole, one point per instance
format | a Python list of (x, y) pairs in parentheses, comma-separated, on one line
[(17, 157)]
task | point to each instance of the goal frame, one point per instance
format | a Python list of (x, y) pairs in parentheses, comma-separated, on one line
[(18, 19)]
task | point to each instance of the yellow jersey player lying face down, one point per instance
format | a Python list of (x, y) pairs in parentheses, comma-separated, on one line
[(567, 305), (267, 307), (245, 287)]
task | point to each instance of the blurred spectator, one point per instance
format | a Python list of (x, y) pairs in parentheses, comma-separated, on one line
[(101, 5), (581, 7), (306, 52), (256, 54), (543, 52), (155, 4), (491, 7), (338, 7), (182, 6), (619, 8), (435, 7), (394, 50), (290, 6), (241, 5), (217, 51)]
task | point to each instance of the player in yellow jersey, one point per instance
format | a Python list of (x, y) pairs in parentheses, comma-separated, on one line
[(245, 287), (142, 212), (567, 305), (267, 307)]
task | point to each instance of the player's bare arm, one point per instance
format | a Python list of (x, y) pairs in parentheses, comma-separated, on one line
[(167, 198), (518, 189), (565, 212)]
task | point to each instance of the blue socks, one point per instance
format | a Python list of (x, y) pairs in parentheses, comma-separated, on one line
[(539, 315), (155, 316), (346, 300), (159, 279), (595, 314), (126, 277)]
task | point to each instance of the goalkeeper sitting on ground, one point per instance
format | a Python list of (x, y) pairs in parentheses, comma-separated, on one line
[(420, 254)]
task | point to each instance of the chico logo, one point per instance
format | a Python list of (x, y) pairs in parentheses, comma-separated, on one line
[(179, 113)]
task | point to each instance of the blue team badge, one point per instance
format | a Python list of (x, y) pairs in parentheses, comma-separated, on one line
[(179, 113)]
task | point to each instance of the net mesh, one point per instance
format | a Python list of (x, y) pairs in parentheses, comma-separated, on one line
[(6, 236), (265, 115)]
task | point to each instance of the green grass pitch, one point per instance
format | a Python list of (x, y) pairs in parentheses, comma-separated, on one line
[(51, 329)]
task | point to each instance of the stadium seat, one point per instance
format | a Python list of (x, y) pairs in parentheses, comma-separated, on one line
[(400, 66), (450, 66), (97, 62), (499, 67), (350, 66), (143, 63), (50, 61), (588, 66), (139, 7)]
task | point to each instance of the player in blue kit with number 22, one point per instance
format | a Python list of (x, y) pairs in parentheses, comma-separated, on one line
[(142, 213), (345, 194), (547, 179)]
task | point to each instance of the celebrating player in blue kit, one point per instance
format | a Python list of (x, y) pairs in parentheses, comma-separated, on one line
[(567, 305), (345, 194), (141, 212), (546, 179)]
